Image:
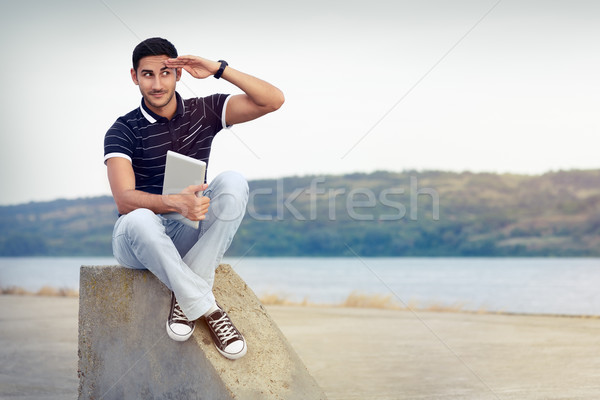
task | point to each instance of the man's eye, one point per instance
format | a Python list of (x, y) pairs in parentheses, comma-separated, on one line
[(165, 73)]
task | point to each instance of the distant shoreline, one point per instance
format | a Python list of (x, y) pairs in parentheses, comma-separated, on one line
[(378, 214), (354, 301)]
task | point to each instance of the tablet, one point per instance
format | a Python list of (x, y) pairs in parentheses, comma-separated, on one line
[(180, 172)]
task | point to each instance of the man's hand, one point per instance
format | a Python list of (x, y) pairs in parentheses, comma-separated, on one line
[(188, 204), (198, 67)]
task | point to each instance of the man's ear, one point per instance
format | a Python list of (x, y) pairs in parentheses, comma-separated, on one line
[(178, 74), (134, 76)]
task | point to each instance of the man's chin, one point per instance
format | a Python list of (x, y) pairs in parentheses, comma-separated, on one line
[(157, 104)]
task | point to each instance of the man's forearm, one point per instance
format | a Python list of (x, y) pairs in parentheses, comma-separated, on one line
[(186, 203), (260, 92), (133, 199)]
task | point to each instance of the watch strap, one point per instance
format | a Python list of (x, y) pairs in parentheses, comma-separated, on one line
[(221, 69)]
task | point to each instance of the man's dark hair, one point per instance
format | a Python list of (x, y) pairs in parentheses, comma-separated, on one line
[(153, 47)]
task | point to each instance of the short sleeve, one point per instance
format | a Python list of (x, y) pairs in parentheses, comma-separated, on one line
[(119, 141), (224, 113), (215, 108)]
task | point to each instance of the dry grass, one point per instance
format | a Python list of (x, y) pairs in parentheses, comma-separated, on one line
[(361, 300), (47, 291), (15, 290), (44, 291), (436, 307), (273, 299), (68, 292)]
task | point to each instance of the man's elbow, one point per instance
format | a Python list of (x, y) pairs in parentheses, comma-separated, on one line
[(122, 209), (122, 206), (277, 101)]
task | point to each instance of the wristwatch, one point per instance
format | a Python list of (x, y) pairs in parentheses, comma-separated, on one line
[(221, 69)]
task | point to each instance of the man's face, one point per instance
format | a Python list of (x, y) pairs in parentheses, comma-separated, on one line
[(157, 83)]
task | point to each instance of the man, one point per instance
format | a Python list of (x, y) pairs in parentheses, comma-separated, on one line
[(135, 147)]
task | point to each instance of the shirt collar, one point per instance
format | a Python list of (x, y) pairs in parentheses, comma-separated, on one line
[(153, 118)]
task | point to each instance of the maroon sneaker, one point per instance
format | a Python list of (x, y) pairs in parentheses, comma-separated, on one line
[(227, 339)]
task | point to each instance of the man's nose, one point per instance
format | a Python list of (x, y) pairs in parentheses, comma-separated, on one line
[(156, 83)]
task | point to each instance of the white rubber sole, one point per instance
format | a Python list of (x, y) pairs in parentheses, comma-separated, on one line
[(235, 356), (177, 337)]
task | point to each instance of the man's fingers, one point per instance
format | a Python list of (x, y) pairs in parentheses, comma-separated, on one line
[(193, 189), (200, 188), (179, 61), (175, 63)]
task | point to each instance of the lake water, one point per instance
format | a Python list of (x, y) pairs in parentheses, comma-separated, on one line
[(521, 285)]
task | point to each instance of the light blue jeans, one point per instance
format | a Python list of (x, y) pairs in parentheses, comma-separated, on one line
[(184, 258)]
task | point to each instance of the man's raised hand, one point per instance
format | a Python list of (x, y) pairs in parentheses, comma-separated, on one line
[(196, 66)]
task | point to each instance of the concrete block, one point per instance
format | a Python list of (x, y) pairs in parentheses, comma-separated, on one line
[(125, 353)]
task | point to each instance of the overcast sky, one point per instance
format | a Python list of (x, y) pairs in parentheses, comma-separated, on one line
[(509, 86)]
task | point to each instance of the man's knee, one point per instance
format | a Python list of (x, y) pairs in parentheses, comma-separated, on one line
[(232, 182), (141, 220), (229, 195)]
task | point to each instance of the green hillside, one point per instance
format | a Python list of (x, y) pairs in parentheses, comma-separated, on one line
[(410, 213)]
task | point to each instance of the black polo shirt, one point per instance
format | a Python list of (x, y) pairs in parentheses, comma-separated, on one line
[(143, 137)]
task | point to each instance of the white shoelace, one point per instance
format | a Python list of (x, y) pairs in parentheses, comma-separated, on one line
[(224, 329), (178, 315)]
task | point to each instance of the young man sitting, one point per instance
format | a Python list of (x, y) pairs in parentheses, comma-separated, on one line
[(135, 148)]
